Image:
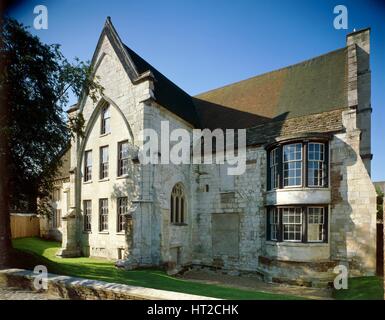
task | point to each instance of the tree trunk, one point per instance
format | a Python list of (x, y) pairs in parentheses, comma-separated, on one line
[(5, 227)]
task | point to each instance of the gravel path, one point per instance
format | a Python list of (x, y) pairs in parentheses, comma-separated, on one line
[(22, 294)]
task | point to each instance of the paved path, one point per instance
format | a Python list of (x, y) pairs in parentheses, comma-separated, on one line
[(22, 294), (256, 284)]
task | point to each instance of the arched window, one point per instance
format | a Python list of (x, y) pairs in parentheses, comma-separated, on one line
[(178, 205)]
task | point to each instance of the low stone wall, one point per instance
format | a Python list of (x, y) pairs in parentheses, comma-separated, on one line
[(84, 289), (308, 274)]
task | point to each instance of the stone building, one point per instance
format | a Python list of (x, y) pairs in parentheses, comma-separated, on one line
[(304, 205)]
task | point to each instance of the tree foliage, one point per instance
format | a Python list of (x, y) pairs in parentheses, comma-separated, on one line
[(36, 80)]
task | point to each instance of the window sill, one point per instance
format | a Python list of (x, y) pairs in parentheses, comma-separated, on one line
[(296, 244), (179, 224), (120, 233), (104, 134), (298, 196), (297, 188), (87, 182), (122, 177), (104, 180), (104, 232)]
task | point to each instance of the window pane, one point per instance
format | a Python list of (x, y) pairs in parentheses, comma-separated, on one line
[(274, 223), (172, 209), (103, 162), (292, 224), (105, 121), (274, 168), (178, 204), (315, 227), (123, 158), (292, 164), (87, 165), (122, 211), (103, 215), (181, 210), (316, 165), (87, 215)]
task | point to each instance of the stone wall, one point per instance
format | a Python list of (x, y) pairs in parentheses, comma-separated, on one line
[(86, 289), (226, 215), (353, 214), (239, 198), (359, 88), (174, 240)]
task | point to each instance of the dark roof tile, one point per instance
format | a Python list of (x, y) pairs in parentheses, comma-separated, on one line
[(309, 87), (168, 94)]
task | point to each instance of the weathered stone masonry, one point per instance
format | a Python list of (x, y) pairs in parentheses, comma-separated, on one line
[(226, 224)]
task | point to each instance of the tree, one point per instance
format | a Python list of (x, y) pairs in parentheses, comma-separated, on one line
[(35, 80)]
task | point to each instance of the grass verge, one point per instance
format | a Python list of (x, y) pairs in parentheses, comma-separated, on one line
[(33, 251), (362, 288)]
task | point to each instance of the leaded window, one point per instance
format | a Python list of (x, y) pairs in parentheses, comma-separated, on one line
[(292, 224), (274, 224), (316, 228), (297, 224), (122, 213), (299, 164), (103, 214), (88, 165), (316, 164), (123, 158), (87, 214), (292, 164), (104, 162), (274, 174), (178, 205), (105, 120)]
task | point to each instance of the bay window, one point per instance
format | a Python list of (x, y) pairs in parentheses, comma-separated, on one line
[(298, 164), (297, 224)]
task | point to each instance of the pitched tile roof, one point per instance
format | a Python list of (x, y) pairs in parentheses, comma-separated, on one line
[(167, 94), (313, 86)]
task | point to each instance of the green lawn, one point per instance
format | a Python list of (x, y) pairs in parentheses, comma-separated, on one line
[(362, 288), (34, 251)]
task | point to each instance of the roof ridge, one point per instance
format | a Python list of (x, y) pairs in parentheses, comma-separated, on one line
[(271, 72)]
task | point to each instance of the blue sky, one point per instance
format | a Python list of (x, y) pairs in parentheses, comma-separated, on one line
[(202, 45)]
